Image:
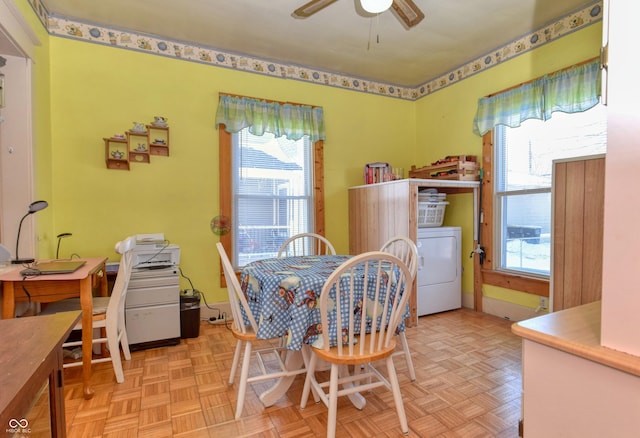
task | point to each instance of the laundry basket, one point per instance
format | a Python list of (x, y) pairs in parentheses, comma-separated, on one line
[(431, 214)]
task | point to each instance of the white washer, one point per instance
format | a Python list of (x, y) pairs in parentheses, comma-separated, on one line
[(439, 281)]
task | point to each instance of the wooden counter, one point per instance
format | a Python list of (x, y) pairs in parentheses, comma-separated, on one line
[(577, 331), (572, 385)]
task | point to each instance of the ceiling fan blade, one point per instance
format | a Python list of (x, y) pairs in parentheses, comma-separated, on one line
[(311, 8), (408, 12)]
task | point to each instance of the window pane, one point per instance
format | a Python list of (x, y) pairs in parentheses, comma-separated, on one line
[(272, 193), (526, 230), (524, 165), (529, 150)]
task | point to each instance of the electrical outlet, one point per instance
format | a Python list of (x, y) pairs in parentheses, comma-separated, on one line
[(544, 303)]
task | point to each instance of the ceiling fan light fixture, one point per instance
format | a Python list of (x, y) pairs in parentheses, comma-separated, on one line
[(376, 6)]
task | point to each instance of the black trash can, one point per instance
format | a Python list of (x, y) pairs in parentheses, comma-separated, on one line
[(189, 316)]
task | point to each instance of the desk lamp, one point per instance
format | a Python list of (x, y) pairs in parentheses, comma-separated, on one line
[(33, 207), (60, 237)]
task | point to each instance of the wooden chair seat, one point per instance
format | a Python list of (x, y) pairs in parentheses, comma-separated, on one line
[(247, 336), (333, 356)]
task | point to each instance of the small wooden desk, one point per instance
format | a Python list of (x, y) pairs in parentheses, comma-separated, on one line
[(32, 356), (49, 288)]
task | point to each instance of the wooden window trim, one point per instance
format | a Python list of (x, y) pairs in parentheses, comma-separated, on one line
[(226, 198), (489, 275)]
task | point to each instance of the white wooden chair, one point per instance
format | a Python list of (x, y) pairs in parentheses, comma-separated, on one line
[(108, 314), (247, 335), (371, 340), (407, 251), (306, 244)]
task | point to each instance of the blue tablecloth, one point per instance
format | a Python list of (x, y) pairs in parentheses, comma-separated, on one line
[(282, 293)]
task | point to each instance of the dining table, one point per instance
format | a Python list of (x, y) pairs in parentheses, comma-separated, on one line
[(282, 294)]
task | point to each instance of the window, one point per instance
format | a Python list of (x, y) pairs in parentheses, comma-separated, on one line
[(522, 163), (271, 188), (272, 193)]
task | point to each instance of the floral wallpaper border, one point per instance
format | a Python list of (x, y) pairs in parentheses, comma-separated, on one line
[(64, 27)]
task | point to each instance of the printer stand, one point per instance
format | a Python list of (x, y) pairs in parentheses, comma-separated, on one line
[(152, 308)]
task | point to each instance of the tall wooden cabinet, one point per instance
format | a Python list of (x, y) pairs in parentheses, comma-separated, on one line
[(378, 212), (578, 216)]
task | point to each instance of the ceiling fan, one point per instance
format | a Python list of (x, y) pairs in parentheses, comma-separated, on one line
[(406, 10)]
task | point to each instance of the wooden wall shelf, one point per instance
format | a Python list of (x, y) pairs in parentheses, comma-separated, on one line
[(465, 168), (136, 147), (158, 137), (116, 153)]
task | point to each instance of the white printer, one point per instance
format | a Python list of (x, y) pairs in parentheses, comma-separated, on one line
[(157, 253), (152, 306)]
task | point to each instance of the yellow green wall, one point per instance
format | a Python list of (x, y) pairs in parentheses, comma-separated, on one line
[(85, 92), (444, 125), (97, 91)]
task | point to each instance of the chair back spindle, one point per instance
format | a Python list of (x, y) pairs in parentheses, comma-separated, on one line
[(405, 249)]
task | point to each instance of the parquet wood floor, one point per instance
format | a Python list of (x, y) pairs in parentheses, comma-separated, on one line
[(468, 385)]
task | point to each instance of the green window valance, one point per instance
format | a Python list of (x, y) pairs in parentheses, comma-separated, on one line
[(281, 119), (573, 90)]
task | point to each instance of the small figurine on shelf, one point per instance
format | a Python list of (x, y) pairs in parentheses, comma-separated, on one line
[(117, 154), (138, 127), (141, 147), (159, 121)]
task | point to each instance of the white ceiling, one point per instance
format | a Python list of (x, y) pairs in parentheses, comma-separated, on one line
[(336, 39)]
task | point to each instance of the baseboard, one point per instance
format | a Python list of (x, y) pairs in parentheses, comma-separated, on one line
[(467, 300), (510, 311)]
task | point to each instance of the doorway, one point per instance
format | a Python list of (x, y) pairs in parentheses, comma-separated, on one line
[(17, 42)]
